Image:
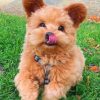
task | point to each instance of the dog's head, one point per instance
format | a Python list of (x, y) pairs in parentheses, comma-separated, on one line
[(52, 27)]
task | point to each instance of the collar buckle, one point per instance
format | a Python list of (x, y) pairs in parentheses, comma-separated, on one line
[(37, 58)]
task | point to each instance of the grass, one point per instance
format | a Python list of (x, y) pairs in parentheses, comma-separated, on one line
[(12, 29)]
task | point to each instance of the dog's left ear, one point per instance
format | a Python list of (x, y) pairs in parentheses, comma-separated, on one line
[(32, 5), (77, 12)]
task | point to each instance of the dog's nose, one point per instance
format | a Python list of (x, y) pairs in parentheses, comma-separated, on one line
[(48, 34), (50, 38)]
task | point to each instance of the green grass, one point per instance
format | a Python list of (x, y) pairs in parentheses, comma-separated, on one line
[(12, 29)]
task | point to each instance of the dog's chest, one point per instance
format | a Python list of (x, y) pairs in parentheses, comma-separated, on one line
[(47, 65)]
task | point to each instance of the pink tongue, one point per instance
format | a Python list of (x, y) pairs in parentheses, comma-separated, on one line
[(52, 39)]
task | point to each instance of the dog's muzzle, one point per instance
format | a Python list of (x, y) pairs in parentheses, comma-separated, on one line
[(50, 39)]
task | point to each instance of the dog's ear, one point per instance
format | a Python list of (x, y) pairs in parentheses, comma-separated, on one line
[(77, 12), (32, 5)]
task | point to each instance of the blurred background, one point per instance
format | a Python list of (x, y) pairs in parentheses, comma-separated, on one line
[(15, 6)]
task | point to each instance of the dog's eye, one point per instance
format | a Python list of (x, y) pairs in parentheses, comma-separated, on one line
[(61, 28), (42, 25)]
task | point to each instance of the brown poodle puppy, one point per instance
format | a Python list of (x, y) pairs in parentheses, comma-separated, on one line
[(50, 55)]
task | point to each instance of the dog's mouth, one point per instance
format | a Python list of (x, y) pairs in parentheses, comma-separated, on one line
[(50, 39), (50, 45)]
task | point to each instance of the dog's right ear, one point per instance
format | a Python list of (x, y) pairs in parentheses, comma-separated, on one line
[(32, 5)]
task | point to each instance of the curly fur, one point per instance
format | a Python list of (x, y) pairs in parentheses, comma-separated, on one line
[(66, 57)]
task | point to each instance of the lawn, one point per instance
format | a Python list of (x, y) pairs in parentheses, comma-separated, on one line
[(12, 31)]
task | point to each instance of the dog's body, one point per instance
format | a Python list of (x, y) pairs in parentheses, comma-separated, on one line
[(59, 50)]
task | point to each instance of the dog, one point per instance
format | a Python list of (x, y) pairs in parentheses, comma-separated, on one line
[(50, 57)]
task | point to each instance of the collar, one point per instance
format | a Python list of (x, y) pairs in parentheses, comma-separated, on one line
[(37, 58)]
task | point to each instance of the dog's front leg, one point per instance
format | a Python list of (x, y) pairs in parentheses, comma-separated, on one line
[(55, 91), (27, 87)]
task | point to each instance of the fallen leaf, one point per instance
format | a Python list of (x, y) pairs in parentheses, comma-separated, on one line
[(94, 18), (97, 46), (85, 49), (94, 68)]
